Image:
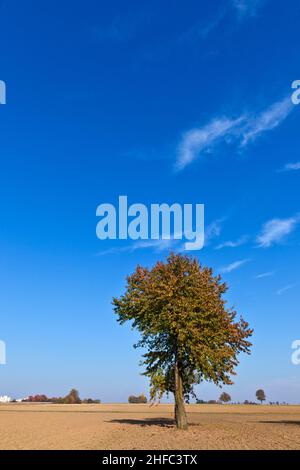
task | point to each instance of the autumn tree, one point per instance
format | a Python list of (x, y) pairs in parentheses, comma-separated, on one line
[(189, 334), (140, 399), (72, 398), (225, 397), (260, 395)]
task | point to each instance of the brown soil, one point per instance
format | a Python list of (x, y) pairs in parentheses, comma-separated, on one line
[(35, 426)]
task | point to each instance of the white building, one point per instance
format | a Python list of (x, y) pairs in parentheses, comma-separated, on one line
[(5, 399)]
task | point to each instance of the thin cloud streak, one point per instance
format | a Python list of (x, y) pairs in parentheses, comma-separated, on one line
[(291, 167), (263, 275), (285, 288), (232, 244), (240, 10), (202, 30), (198, 141), (276, 230), (233, 266), (213, 230), (242, 131), (246, 8), (156, 245), (269, 119)]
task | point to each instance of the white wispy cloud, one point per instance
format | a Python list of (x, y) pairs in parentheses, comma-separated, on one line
[(269, 119), (275, 230), (198, 141), (285, 288), (239, 10), (233, 266), (176, 242), (263, 275), (291, 167), (213, 230), (246, 8), (242, 131), (201, 29), (155, 245), (114, 250), (232, 244)]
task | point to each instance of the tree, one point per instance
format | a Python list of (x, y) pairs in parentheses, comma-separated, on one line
[(225, 397), (260, 395), (72, 397), (140, 399), (189, 335)]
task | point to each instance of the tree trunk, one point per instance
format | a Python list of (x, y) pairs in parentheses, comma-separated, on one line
[(180, 413)]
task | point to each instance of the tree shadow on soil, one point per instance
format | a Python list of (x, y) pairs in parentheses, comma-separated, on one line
[(163, 422), (293, 422)]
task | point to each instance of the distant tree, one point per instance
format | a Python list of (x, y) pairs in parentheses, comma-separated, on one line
[(140, 399), (225, 397), (90, 401), (212, 402), (190, 336), (72, 397), (260, 395), (143, 398), (246, 402)]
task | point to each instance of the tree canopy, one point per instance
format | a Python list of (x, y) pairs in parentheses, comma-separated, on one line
[(260, 395), (225, 397)]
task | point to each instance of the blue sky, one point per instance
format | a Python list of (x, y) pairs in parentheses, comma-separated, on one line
[(162, 101)]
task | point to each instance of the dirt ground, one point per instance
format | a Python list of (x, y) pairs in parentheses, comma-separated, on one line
[(35, 426)]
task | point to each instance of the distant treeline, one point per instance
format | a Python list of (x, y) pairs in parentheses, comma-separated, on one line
[(226, 398), (71, 399), (246, 402), (219, 402)]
